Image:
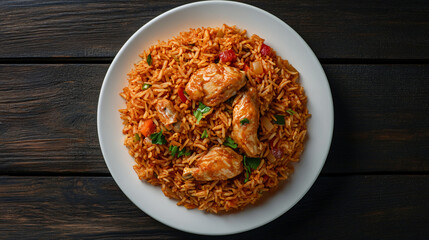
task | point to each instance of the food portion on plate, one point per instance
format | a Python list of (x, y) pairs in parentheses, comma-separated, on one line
[(214, 117)]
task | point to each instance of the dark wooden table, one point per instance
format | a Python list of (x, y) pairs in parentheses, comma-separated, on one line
[(53, 179)]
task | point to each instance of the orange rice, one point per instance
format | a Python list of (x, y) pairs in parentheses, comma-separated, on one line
[(173, 63)]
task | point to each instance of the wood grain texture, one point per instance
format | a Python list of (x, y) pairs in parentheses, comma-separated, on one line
[(376, 207), (381, 118), (54, 183), (334, 28), (48, 118)]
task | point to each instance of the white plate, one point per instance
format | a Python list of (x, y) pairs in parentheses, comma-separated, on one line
[(288, 44)]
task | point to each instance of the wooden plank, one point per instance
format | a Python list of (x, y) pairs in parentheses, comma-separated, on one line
[(48, 118), (334, 28), (376, 207), (381, 118)]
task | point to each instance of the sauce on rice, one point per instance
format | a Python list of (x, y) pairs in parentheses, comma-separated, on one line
[(168, 130)]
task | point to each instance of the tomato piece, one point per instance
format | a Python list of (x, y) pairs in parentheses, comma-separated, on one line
[(265, 50), (148, 127), (227, 56), (181, 93)]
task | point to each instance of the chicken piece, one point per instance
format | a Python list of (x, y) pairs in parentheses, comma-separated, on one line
[(166, 112), (245, 122), (215, 84), (220, 163)]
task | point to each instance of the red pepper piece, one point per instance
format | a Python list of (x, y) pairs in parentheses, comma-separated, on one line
[(227, 56)]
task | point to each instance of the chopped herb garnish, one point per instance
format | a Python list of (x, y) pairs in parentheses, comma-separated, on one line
[(176, 59), (185, 93), (280, 120), (253, 163), (204, 134), (146, 86), (244, 121), (247, 174), (200, 111), (230, 143), (249, 165), (191, 44), (149, 59), (175, 150), (136, 137), (184, 152), (158, 138), (290, 111)]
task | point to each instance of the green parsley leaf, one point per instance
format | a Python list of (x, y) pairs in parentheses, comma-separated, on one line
[(149, 59), (198, 115), (146, 86), (173, 150), (176, 59), (200, 111), (280, 120), (136, 137), (290, 111), (253, 163), (244, 121), (249, 165), (247, 175), (230, 143), (184, 152), (204, 134), (158, 138)]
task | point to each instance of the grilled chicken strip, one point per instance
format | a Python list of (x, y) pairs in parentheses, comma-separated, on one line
[(220, 163), (215, 84), (245, 122), (166, 112)]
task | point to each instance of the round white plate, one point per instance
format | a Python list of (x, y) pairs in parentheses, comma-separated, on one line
[(288, 44)]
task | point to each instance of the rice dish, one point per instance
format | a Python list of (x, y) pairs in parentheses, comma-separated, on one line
[(214, 117)]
